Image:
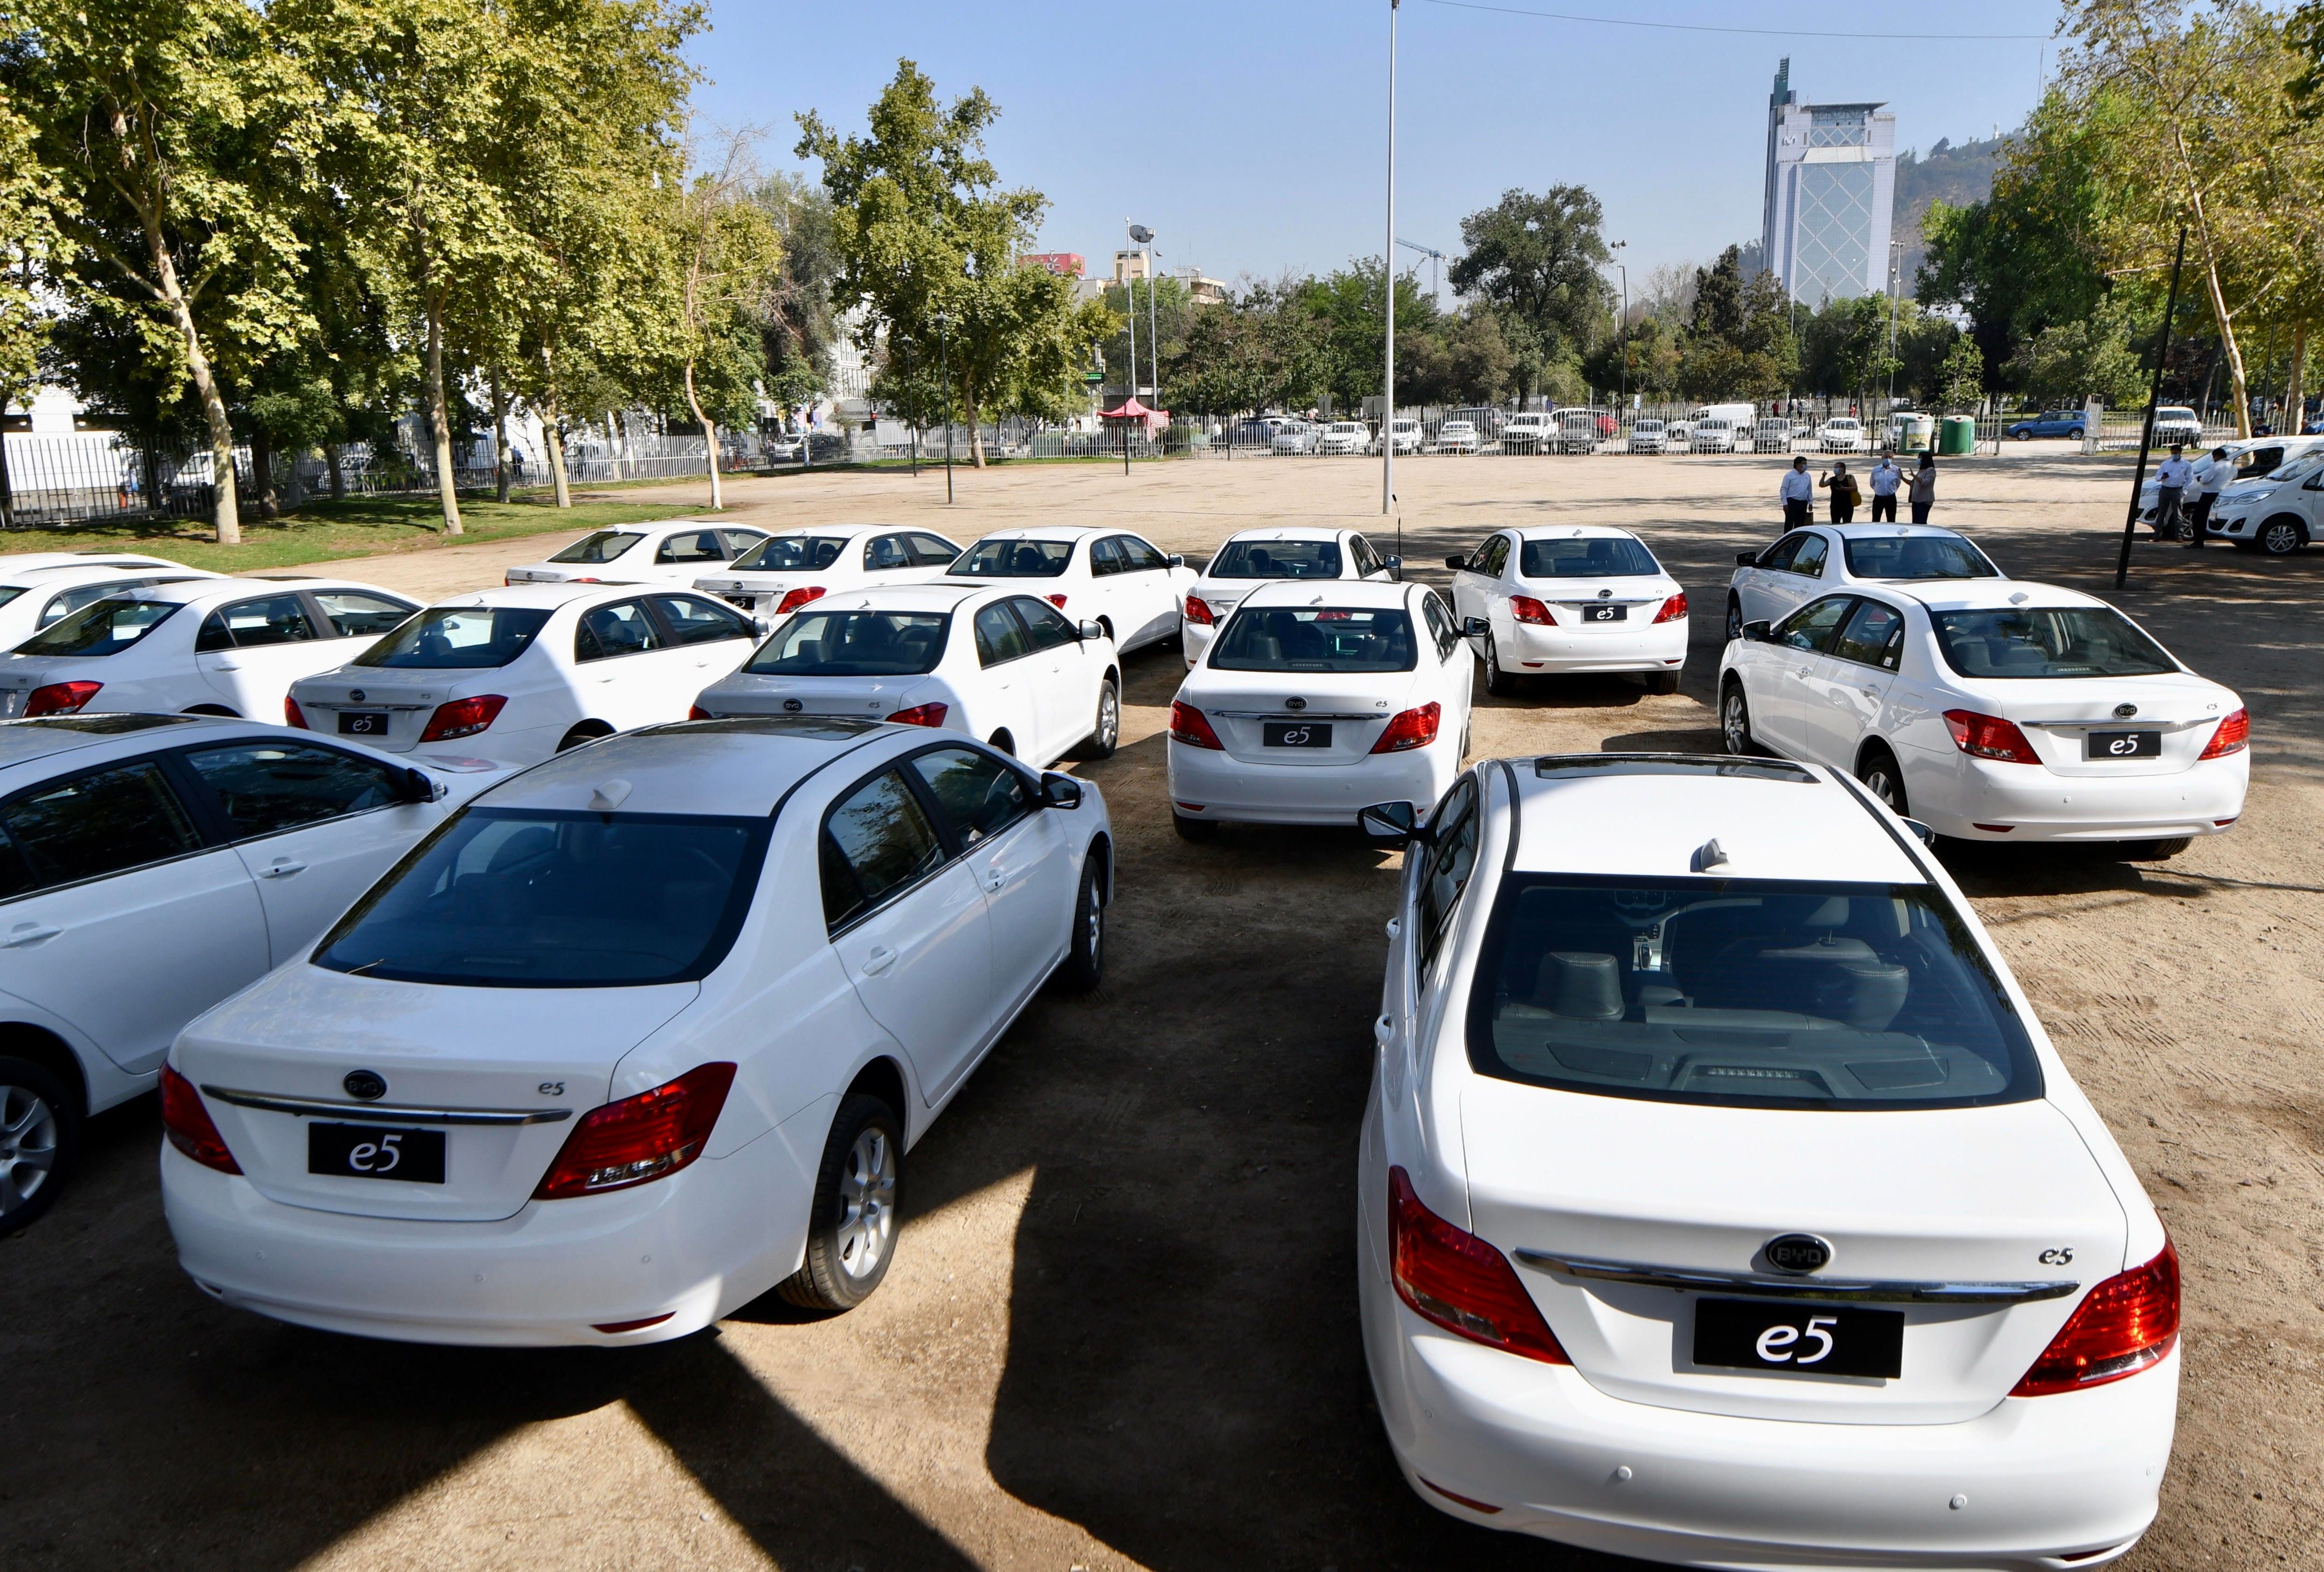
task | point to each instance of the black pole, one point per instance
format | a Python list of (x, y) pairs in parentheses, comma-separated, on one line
[(944, 361), (912, 414), (2146, 437), (8, 497)]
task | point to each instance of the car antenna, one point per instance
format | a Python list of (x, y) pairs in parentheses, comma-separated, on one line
[(609, 796), (1708, 856)]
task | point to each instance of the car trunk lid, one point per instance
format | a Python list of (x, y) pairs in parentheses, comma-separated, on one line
[(1243, 706), (380, 707), (2061, 715)]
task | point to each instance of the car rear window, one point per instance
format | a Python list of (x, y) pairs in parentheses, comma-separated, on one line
[(1916, 557), (1744, 993), (107, 627), (792, 554), (1013, 559), (1276, 559), (537, 898), (458, 638), (1323, 638), (604, 545), (853, 644), (1604, 557), (2052, 642)]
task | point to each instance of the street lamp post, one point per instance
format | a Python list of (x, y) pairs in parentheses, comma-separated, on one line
[(1894, 291), (944, 363), (1622, 334), (1145, 237), (1388, 282)]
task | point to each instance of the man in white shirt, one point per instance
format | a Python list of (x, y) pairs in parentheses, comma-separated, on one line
[(1886, 478), (1797, 493), (2211, 476), (2169, 486)]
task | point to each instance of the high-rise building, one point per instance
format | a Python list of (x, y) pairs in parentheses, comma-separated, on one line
[(1830, 190)]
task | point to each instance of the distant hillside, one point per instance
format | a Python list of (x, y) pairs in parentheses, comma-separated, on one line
[(1957, 173)]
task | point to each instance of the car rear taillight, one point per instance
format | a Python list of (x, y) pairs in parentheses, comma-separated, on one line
[(1197, 612), (186, 1122), (292, 715), (798, 598), (922, 715), (1525, 608), (462, 717), (696, 713), (641, 1139), (2124, 1325), (1190, 726), (1458, 1280), (1989, 737), (60, 698), (2233, 736), (1673, 609), (1058, 601), (1411, 729)]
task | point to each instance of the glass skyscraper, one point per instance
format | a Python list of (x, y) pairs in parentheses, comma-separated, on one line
[(1830, 190)]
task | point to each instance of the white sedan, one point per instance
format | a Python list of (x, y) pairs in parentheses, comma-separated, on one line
[(203, 646), (1315, 700), (196, 853), (1723, 1202), (1841, 434), (784, 572), (1114, 579), (1345, 436), (1457, 436), (645, 1033), (993, 663), (1278, 552), (1820, 558), (1996, 710), (1570, 598), (32, 597), (674, 552), (1404, 432), (516, 675)]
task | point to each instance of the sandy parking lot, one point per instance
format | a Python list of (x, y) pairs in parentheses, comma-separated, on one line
[(1121, 1330)]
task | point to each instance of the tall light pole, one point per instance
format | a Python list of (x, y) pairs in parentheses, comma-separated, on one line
[(944, 360), (1622, 333), (1145, 237), (1129, 283), (1387, 281), (1895, 289)]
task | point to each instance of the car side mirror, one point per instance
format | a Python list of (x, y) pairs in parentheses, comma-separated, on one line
[(1089, 630), (1456, 562), (1759, 632), (1390, 825), (1476, 628), (417, 786), (1747, 559), (1928, 836), (1176, 560), (1395, 565), (1060, 791)]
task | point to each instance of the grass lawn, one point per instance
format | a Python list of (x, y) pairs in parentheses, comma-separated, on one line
[(322, 530)]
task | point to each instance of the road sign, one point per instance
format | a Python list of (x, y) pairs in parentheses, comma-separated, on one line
[(1094, 379)]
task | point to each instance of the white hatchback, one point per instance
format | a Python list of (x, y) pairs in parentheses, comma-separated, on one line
[(206, 647), (1316, 699), (784, 572), (1820, 558), (1722, 1201), (519, 674), (1251, 557), (991, 662), (674, 552), (1996, 710), (645, 1033), (1570, 598), (1114, 579)]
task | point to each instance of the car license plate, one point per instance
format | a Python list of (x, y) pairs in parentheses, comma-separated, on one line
[(748, 603), (363, 724), (1295, 734), (375, 1152), (1824, 1340), (2123, 745), (1605, 613)]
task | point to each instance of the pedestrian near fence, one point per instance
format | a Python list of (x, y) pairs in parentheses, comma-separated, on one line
[(2170, 488), (1797, 493), (1844, 492), (1924, 488), (1886, 478), (2212, 477)]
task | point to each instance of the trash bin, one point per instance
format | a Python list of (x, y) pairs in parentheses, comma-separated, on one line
[(1959, 435), (1913, 433)]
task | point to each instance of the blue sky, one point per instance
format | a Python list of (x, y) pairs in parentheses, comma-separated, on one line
[(1250, 136)]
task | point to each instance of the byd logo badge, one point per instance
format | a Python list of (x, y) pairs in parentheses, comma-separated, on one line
[(366, 1085), (1800, 1253), (792, 706), (2125, 711)]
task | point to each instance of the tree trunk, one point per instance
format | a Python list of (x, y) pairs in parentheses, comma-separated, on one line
[(440, 419), (710, 436), (7, 497), (2295, 393), (332, 456), (500, 440), (263, 495), (976, 433), (552, 427), (227, 514)]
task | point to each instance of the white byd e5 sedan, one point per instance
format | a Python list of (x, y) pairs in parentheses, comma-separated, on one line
[(784, 572), (1996, 710), (1315, 700), (1252, 556), (1820, 558), (644, 1032), (991, 662), (31, 598), (1117, 581), (1570, 598), (676, 552), (1721, 1201)]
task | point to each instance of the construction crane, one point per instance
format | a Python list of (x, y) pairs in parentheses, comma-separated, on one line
[(1436, 270)]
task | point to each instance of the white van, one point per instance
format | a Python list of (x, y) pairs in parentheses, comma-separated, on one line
[(1742, 417)]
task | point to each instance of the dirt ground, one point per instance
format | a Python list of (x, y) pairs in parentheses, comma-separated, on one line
[(1121, 1330)]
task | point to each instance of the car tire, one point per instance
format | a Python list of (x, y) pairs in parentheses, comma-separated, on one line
[(40, 1137), (851, 1235), (1662, 682), (2155, 850), (1106, 735), (1734, 619), (1735, 719), (1884, 777), (586, 732), (1498, 681), (1083, 966), (2022, 435), (2282, 535), (1192, 828)]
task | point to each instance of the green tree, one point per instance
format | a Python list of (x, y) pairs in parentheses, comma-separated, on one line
[(29, 246), (801, 326), (2063, 365), (1538, 257), (1962, 375), (1739, 340)]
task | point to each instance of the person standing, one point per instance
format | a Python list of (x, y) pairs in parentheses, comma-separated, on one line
[(2212, 477), (1844, 494), (1886, 478), (2169, 486), (1924, 488), (1797, 493)]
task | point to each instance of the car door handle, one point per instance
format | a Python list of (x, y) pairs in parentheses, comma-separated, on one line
[(1383, 1031), (1869, 692), (996, 879), (282, 868), (30, 933), (225, 665), (1394, 926), (879, 960)]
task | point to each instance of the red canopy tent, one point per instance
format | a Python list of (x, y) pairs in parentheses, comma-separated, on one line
[(1131, 410)]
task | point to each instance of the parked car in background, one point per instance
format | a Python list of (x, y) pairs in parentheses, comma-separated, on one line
[(784, 572), (1646, 437), (1773, 433), (2049, 423), (1456, 436), (2179, 424), (1579, 430), (1293, 436), (1118, 580), (1530, 431), (32, 596), (2278, 512), (1486, 418), (1714, 434), (1344, 436), (1404, 431), (1817, 558), (2254, 458), (151, 865), (1549, 600), (676, 552), (1250, 557), (1840, 434)]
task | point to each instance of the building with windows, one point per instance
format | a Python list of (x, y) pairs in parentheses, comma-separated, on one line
[(1830, 192)]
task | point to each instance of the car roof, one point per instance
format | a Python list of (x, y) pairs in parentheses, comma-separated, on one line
[(1990, 595), (27, 742), (1569, 531), (742, 766), (64, 577), (550, 596), (1885, 531), (1047, 532), (1288, 532), (208, 591), (1331, 591), (841, 532), (937, 597), (1655, 814), (37, 561)]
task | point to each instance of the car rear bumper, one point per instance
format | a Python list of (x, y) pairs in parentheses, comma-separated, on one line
[(1954, 795), (2025, 1485), (1208, 784), (1193, 637), (1642, 645)]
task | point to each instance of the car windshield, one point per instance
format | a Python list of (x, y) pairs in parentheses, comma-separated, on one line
[(1742, 992), (2048, 641), (534, 898), (2300, 468), (103, 627), (1916, 557), (853, 644), (792, 554), (1276, 559), (1355, 638), (457, 639), (1013, 559), (1647, 425), (603, 547), (1600, 556)]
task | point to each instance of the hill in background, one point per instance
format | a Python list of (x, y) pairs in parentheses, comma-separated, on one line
[(1957, 173)]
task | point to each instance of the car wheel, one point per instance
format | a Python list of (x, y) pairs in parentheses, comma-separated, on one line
[(851, 1233), (1735, 721), (1084, 963), (1662, 682), (1734, 619), (2155, 850), (1885, 779), (2022, 435), (586, 732), (2281, 537), (1192, 828), (40, 1133), (1106, 735), (1497, 682)]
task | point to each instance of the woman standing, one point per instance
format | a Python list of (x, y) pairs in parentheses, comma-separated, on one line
[(1924, 488), (1844, 493)]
